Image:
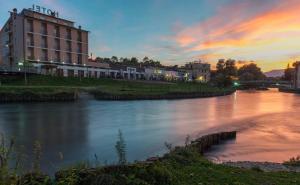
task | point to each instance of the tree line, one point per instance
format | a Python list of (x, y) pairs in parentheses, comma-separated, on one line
[(133, 61), (227, 72)]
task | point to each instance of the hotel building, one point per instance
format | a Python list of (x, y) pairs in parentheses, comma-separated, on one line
[(42, 43), (37, 41)]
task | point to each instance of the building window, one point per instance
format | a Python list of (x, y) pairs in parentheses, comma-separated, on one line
[(44, 42), (68, 58), (60, 72), (68, 36), (102, 74), (70, 73), (79, 48), (29, 26), (44, 55), (56, 31), (68, 46), (79, 36), (57, 44), (30, 54), (44, 28), (80, 73), (79, 59), (56, 56), (30, 40)]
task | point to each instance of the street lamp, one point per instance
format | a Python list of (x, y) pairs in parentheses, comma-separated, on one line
[(23, 63)]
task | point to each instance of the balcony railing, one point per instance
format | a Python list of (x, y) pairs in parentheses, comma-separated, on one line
[(30, 44)]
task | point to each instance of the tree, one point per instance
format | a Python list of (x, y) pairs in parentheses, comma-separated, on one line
[(220, 66), (250, 72), (145, 59), (226, 71), (230, 68), (99, 59), (114, 59), (288, 73), (134, 61), (107, 60)]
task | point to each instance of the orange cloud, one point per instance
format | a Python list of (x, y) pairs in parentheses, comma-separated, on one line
[(269, 37)]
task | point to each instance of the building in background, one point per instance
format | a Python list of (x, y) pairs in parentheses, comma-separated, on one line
[(40, 42), (36, 40), (296, 77), (197, 71)]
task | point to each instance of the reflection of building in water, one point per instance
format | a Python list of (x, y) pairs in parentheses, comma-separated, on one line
[(54, 125)]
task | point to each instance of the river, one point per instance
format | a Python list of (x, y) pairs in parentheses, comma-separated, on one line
[(267, 123)]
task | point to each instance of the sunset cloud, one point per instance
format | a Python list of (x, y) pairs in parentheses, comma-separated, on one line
[(271, 33)]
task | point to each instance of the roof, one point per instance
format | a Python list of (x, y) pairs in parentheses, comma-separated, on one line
[(27, 12)]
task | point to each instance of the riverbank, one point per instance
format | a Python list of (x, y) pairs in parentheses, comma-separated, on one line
[(289, 90), (37, 94), (58, 88), (263, 166), (180, 166)]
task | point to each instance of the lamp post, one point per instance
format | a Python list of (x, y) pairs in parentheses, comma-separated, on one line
[(23, 63)]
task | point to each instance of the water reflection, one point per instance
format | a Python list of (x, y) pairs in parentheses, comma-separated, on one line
[(266, 121), (54, 125)]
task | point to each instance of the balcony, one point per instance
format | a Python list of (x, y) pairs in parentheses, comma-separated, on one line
[(30, 44), (44, 45), (57, 47), (30, 57)]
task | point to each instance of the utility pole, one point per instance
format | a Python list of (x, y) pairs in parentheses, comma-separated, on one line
[(24, 70)]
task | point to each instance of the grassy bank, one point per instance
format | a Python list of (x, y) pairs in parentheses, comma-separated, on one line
[(120, 89), (182, 166), (36, 93)]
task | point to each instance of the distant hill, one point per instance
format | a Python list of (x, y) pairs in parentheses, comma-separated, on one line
[(275, 73)]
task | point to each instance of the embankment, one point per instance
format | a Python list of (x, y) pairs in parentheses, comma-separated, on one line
[(169, 96), (289, 90), (37, 95)]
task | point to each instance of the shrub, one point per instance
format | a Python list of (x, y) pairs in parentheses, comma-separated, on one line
[(121, 149)]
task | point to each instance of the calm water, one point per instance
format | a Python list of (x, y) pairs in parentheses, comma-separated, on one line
[(268, 125)]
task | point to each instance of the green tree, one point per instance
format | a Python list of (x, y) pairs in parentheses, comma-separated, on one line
[(134, 61), (220, 66), (114, 59), (250, 72), (230, 68), (226, 71)]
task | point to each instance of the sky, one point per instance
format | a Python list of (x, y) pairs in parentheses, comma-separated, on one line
[(176, 31)]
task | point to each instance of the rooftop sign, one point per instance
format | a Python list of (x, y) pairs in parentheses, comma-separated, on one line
[(43, 10)]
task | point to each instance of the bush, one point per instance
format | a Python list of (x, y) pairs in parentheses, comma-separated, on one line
[(294, 161)]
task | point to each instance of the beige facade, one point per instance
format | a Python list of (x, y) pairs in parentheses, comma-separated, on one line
[(38, 38), (198, 71)]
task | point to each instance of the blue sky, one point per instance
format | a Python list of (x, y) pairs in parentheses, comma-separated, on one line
[(177, 31)]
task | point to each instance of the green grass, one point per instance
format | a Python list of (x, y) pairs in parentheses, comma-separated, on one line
[(181, 167), (118, 87)]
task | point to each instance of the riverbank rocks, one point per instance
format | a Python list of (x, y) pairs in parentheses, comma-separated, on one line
[(205, 142)]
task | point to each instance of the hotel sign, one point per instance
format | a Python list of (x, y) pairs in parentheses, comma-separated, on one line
[(43, 10)]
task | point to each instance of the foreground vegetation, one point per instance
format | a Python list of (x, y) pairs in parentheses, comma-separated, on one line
[(98, 87), (182, 166)]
